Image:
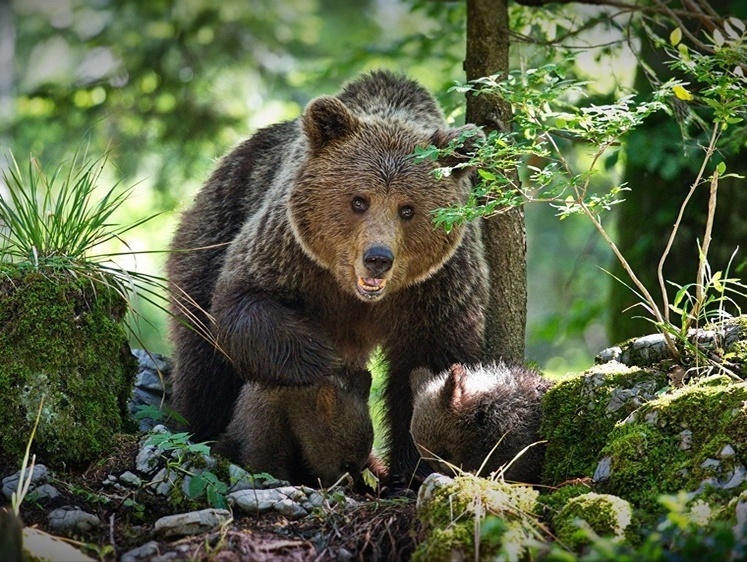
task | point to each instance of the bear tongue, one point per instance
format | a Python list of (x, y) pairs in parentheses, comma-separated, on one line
[(372, 282)]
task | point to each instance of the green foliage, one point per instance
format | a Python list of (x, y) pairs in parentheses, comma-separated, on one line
[(592, 515), (187, 458)]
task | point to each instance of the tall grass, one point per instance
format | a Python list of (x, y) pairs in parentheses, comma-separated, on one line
[(60, 220)]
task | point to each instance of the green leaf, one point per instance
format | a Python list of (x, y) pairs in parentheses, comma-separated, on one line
[(682, 93), (675, 37), (197, 485), (370, 479), (721, 168)]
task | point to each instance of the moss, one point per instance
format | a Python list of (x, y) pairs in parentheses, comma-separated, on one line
[(501, 514), (603, 514), (648, 457), (552, 502), (61, 337), (580, 411)]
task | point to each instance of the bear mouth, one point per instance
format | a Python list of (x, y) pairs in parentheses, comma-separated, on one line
[(370, 287)]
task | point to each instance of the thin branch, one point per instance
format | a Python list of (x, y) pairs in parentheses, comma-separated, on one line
[(660, 269)]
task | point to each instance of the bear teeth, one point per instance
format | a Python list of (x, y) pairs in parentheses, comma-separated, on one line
[(368, 285)]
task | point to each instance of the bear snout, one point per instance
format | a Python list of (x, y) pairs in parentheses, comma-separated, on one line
[(378, 260)]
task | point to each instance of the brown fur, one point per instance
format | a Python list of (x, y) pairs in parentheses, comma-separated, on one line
[(317, 246), (463, 412), (306, 435)]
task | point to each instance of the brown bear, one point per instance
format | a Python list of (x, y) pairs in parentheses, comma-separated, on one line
[(313, 243), (461, 414), (307, 435)]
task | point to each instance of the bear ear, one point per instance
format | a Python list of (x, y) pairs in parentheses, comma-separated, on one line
[(467, 138), (419, 378), (327, 119), (456, 396)]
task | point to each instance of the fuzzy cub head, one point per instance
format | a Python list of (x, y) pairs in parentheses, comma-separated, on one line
[(334, 429), (479, 418), (362, 206)]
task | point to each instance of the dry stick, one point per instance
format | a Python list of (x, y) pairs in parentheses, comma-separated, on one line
[(660, 269)]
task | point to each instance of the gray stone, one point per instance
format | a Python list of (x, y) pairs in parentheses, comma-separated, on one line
[(430, 486), (43, 492), (710, 463), (609, 354), (603, 470), (163, 482), (290, 509), (66, 519), (130, 479), (735, 479), (39, 475), (147, 551), (727, 452), (686, 439), (192, 523)]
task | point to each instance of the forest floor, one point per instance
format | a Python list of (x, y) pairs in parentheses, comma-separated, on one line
[(369, 528)]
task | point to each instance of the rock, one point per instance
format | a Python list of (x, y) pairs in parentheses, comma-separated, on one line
[(686, 439), (603, 514), (38, 545), (130, 479), (39, 475), (43, 492), (192, 523), (72, 520), (148, 551), (603, 470)]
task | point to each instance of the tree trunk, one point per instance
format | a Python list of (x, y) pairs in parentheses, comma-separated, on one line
[(504, 235)]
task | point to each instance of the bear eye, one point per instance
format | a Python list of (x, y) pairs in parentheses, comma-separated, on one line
[(359, 204), (406, 212)]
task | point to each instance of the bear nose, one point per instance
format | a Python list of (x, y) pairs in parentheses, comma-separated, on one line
[(378, 260)]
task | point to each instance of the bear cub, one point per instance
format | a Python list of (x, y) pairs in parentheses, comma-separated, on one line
[(305, 435), (462, 413)]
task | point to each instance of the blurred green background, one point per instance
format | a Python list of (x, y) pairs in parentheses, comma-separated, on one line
[(166, 87)]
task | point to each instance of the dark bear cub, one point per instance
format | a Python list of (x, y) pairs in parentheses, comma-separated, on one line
[(461, 414), (306, 435), (313, 243)]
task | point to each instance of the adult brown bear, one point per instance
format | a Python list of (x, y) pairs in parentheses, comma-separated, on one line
[(312, 243)]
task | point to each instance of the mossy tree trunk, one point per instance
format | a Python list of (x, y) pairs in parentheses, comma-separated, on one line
[(504, 235)]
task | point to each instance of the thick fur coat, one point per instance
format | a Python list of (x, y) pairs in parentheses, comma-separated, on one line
[(481, 417), (313, 243)]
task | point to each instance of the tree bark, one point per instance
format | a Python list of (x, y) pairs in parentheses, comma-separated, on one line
[(504, 235)]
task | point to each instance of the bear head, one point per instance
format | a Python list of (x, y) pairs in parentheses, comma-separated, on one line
[(362, 205), (480, 419)]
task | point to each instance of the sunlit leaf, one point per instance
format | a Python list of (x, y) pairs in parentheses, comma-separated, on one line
[(718, 38), (676, 36), (682, 93), (736, 22)]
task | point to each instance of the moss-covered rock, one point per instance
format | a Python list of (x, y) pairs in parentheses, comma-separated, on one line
[(468, 518), (581, 410), (590, 514), (693, 438), (61, 338)]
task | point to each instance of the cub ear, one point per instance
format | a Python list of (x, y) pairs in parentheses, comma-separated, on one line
[(466, 138), (419, 378), (455, 394), (327, 119)]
